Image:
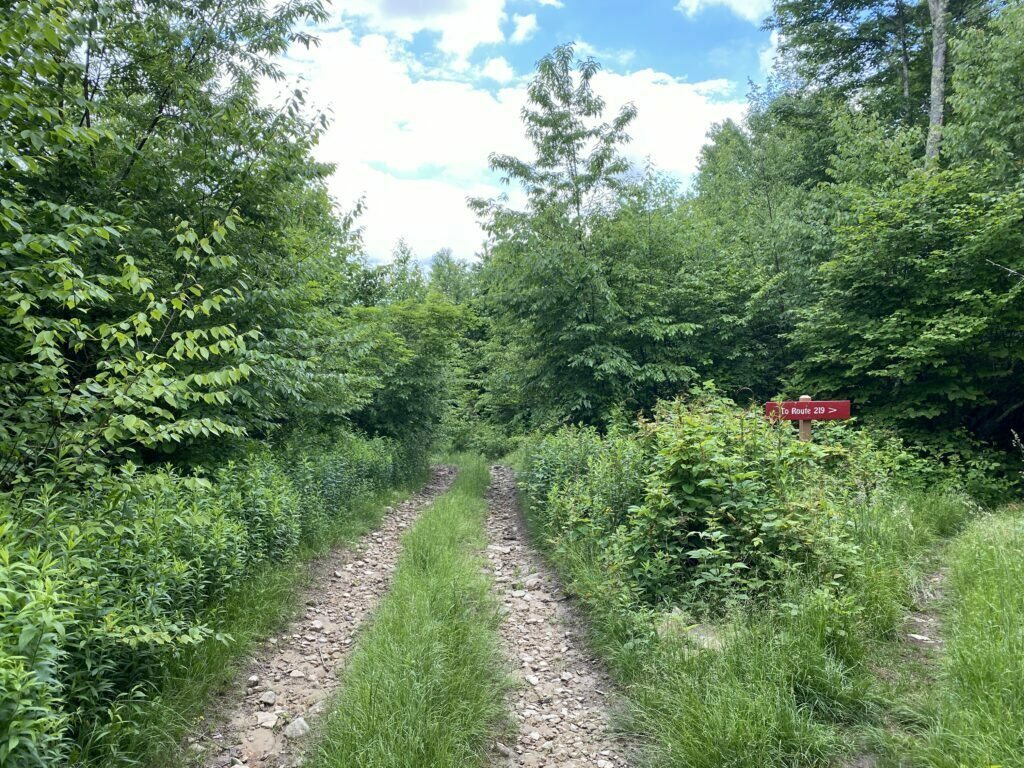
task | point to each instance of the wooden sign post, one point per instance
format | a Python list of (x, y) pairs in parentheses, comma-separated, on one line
[(805, 410), (805, 424)]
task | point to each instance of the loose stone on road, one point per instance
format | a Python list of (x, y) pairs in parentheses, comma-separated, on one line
[(262, 723), (561, 707)]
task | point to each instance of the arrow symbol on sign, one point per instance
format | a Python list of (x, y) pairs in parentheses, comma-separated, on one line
[(832, 410)]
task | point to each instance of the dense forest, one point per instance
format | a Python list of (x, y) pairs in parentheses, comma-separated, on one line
[(206, 380)]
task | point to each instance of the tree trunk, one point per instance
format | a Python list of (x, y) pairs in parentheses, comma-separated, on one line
[(904, 60), (937, 107)]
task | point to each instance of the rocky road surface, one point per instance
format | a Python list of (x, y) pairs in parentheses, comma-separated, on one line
[(561, 707), (261, 724)]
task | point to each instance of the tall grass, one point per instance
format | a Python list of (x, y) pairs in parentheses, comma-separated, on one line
[(979, 715), (425, 685)]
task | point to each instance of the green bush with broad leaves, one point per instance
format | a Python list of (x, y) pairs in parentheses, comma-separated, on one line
[(101, 588), (708, 504)]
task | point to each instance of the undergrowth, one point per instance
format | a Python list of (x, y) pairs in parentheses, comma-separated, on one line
[(740, 584), (122, 605)]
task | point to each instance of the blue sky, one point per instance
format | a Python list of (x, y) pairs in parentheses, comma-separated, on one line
[(421, 91)]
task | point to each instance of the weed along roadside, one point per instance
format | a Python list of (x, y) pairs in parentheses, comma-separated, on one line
[(747, 588), (425, 685)]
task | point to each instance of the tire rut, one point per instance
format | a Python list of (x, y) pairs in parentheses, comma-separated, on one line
[(561, 706), (263, 721), (923, 625)]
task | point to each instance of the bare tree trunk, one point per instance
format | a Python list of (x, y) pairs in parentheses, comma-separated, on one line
[(937, 11), (904, 60)]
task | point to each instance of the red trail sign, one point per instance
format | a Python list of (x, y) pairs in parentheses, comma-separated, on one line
[(808, 410)]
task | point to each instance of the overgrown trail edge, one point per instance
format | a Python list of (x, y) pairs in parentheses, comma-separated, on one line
[(262, 722), (561, 706)]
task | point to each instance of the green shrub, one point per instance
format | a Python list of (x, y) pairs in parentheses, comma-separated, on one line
[(705, 504), (726, 511), (332, 471), (31, 626), (709, 504), (799, 558), (102, 588), (259, 495), (464, 431)]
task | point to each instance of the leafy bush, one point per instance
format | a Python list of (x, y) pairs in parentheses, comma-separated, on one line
[(463, 431), (101, 588), (582, 484), (30, 626), (709, 504), (704, 503), (725, 511), (798, 557)]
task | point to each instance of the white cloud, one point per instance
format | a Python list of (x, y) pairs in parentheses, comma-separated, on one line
[(673, 116), (415, 146), (498, 69), (462, 24), (753, 11), (552, 3), (604, 55), (415, 142), (766, 56), (526, 27)]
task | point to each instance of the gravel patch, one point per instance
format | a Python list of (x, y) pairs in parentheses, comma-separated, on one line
[(263, 722), (561, 706)]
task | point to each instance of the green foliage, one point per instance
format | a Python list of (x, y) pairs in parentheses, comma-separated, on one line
[(913, 313), (645, 527), (704, 504), (814, 252), (725, 508), (175, 279), (877, 53), (708, 505), (104, 588), (416, 383), (172, 264), (452, 278), (987, 87), (30, 628), (101, 352), (580, 284)]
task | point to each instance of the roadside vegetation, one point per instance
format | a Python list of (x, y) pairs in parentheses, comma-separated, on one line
[(747, 588), (426, 683), (203, 380), (249, 613)]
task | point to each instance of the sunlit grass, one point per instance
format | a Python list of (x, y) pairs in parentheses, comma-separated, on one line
[(978, 715)]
